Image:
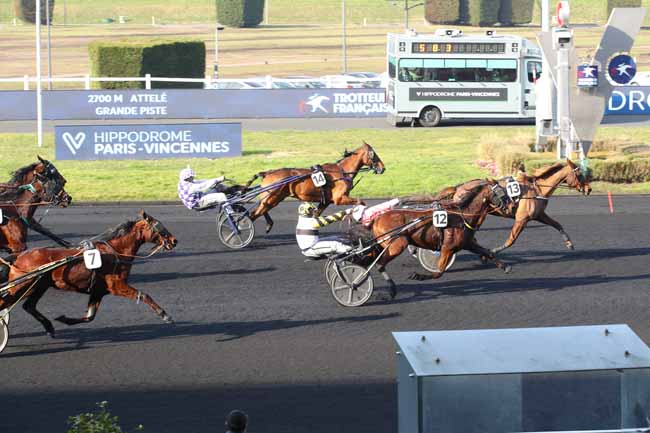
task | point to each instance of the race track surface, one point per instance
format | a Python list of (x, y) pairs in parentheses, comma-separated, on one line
[(258, 330)]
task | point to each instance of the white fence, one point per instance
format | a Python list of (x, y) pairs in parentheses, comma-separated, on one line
[(267, 82)]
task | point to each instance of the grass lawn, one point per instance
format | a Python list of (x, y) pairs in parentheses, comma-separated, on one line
[(417, 161)]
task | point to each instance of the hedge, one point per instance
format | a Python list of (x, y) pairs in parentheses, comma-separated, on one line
[(25, 10), (516, 11), (240, 13), (442, 11), (177, 59), (482, 12), (611, 4)]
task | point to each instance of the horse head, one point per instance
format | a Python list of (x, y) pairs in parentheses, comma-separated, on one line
[(579, 177), (155, 232), (371, 159)]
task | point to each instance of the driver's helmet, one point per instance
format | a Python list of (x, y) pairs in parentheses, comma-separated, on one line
[(306, 209), (186, 173), (357, 212)]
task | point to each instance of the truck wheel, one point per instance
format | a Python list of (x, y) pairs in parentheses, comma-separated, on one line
[(430, 117)]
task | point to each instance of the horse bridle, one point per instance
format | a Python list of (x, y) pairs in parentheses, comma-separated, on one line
[(374, 160), (155, 228)]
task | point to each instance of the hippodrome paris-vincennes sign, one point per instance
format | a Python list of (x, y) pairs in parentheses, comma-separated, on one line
[(103, 142)]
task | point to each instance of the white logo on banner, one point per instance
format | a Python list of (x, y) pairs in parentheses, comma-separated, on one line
[(316, 102), (74, 143)]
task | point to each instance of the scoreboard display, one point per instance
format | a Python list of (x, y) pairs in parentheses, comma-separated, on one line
[(458, 48)]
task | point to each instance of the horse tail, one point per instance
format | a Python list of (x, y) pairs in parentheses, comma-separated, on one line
[(259, 175)]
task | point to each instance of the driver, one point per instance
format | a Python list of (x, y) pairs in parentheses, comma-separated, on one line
[(200, 193), (307, 232)]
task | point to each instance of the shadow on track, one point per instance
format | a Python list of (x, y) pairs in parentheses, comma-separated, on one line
[(421, 292), (168, 276), (78, 338)]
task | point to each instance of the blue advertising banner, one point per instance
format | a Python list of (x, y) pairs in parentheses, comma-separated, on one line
[(193, 104), (193, 140), (630, 100)]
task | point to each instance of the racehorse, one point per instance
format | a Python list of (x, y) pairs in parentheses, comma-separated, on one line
[(29, 188), (535, 192), (340, 181), (473, 201), (118, 247)]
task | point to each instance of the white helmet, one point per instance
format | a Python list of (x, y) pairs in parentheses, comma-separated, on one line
[(186, 173), (306, 209), (357, 212)]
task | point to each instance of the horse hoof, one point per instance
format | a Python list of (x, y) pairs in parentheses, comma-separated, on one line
[(570, 246), (51, 334), (507, 269), (168, 319), (484, 260), (392, 293), (268, 228)]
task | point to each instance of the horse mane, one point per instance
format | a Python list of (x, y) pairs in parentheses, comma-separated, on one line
[(114, 232), (548, 171), (9, 193), (471, 194), (19, 174)]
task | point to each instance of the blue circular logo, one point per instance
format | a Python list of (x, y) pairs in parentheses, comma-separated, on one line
[(621, 69)]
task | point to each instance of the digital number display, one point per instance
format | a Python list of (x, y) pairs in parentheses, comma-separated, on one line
[(458, 48)]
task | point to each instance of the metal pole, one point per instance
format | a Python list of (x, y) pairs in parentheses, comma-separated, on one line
[(49, 45), (406, 14), (546, 18), (39, 96), (564, 147), (345, 48), (266, 12), (544, 87), (216, 52)]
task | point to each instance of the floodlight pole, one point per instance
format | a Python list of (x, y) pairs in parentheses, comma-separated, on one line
[(407, 8), (49, 45), (345, 48), (39, 96), (216, 50)]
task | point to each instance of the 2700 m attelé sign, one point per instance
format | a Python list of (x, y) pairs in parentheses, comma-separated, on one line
[(194, 140)]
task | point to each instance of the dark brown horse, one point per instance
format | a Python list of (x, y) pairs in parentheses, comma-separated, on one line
[(473, 201), (535, 193), (118, 247), (29, 189), (340, 181)]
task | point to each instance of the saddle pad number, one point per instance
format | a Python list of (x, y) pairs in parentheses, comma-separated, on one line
[(513, 189), (319, 179), (93, 259), (440, 218)]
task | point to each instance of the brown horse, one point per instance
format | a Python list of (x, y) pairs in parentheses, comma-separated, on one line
[(118, 247), (340, 181), (474, 200), (30, 187), (535, 192)]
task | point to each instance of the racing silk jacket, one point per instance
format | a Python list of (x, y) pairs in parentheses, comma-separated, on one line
[(190, 193), (307, 233)]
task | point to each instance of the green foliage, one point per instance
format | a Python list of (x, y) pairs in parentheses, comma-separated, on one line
[(100, 421), (516, 11), (442, 11), (240, 13), (623, 170), (180, 59), (25, 10), (482, 12), (611, 4)]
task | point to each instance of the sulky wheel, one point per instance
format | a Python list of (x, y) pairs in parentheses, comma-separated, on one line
[(429, 259), (4, 331), (352, 285), (238, 237), (330, 270)]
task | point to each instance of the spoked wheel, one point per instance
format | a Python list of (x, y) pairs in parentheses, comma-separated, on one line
[(351, 285), (239, 238), (4, 331), (429, 260)]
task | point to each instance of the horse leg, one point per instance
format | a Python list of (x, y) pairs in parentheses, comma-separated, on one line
[(517, 228), (394, 249), (545, 219), (30, 306), (392, 287), (269, 221), (482, 251), (266, 204), (121, 288), (93, 305), (443, 261)]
